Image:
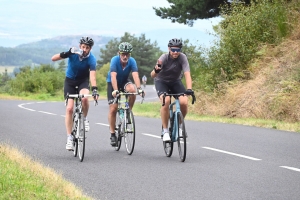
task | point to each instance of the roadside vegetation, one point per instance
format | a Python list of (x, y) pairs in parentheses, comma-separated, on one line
[(250, 76), (21, 177)]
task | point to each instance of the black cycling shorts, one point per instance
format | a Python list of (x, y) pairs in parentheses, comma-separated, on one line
[(70, 84), (169, 87), (110, 89)]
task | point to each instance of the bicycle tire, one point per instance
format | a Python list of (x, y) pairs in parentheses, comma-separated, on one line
[(118, 132), (129, 131), (81, 138), (75, 141), (181, 140), (168, 146)]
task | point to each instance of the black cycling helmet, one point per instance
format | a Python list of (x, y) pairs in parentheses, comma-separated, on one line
[(175, 43), (87, 40)]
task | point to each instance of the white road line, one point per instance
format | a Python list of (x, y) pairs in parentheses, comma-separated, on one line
[(47, 113), (152, 135), (102, 124), (230, 153), (27, 108), (291, 168), (21, 106)]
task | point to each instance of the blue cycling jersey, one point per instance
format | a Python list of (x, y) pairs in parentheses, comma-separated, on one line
[(80, 68), (122, 74)]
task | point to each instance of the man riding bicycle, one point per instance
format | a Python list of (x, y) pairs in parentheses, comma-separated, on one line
[(144, 80), (117, 80), (81, 69), (167, 74)]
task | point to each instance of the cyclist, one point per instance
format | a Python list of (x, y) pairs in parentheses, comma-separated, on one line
[(117, 80), (81, 69), (167, 74), (144, 79)]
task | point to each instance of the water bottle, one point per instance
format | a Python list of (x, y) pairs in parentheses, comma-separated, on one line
[(76, 51), (121, 113)]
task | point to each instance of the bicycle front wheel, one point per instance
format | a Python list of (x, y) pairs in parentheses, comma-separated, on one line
[(181, 140), (118, 132), (168, 146), (81, 138), (75, 141), (129, 132)]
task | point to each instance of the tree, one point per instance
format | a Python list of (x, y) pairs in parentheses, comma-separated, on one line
[(62, 65), (187, 11), (4, 78)]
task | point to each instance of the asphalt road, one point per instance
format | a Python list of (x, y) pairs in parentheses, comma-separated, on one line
[(224, 161)]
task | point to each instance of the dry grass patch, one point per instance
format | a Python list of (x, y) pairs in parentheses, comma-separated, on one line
[(272, 93)]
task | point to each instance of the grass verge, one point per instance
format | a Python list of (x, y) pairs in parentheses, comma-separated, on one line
[(23, 178), (153, 110)]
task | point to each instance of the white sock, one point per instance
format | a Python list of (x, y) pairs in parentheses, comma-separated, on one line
[(166, 130)]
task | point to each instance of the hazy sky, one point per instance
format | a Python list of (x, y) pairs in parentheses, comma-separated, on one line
[(23, 21)]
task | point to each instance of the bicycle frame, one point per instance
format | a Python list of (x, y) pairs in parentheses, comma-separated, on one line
[(174, 115)]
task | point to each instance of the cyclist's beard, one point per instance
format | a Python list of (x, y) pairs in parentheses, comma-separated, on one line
[(85, 53), (124, 60)]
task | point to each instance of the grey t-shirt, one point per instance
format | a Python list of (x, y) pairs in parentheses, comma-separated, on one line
[(172, 69)]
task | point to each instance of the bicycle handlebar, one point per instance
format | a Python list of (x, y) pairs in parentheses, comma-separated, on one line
[(79, 96), (176, 97), (127, 93)]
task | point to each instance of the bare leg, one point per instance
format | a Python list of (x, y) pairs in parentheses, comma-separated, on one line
[(164, 112), (131, 88), (183, 105), (68, 118), (112, 117), (85, 102)]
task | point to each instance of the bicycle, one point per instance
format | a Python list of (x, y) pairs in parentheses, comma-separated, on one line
[(78, 129), (125, 124), (177, 132)]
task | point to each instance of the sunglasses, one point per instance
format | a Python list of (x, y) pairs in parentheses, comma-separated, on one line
[(125, 54), (175, 49)]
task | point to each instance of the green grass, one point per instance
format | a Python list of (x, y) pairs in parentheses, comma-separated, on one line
[(23, 178)]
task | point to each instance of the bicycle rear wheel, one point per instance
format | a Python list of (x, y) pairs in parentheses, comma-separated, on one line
[(118, 132), (129, 132), (81, 138), (181, 140)]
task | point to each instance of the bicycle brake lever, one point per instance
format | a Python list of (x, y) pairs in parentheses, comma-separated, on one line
[(164, 99), (194, 99)]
